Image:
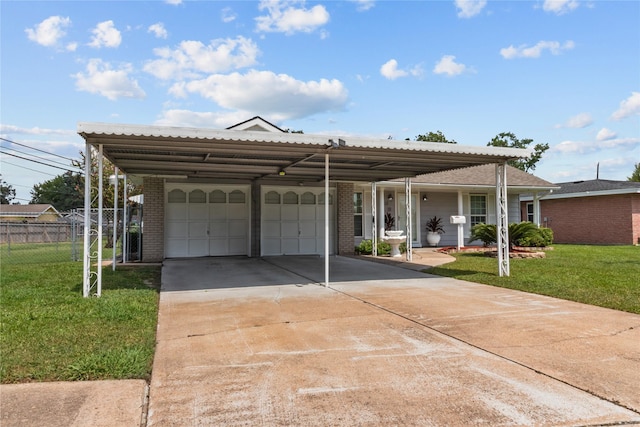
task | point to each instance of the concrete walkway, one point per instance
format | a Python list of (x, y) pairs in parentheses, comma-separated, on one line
[(259, 342)]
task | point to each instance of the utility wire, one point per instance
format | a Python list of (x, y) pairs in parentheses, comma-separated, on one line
[(42, 163), (33, 155), (24, 167), (36, 149)]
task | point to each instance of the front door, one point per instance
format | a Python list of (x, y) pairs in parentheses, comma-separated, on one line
[(402, 218)]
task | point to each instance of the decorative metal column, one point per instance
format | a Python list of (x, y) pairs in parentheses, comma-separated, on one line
[(502, 220), (92, 255), (407, 197), (374, 225)]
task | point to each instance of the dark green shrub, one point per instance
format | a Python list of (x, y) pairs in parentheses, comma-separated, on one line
[(520, 234), (366, 248)]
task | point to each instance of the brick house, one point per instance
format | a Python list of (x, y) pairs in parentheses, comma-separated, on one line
[(599, 211)]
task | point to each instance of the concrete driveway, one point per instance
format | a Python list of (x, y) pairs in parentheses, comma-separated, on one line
[(259, 342)]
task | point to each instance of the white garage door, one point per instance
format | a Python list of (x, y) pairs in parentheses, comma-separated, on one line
[(293, 221), (206, 220)]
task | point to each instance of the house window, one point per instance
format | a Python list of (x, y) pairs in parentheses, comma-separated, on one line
[(530, 212), (357, 214), (478, 204)]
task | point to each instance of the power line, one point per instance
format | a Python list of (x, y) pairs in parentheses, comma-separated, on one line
[(36, 149), (33, 155), (24, 167), (42, 163)]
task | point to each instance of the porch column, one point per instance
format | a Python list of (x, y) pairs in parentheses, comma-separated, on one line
[(381, 212), (407, 198), (374, 224), (502, 220), (460, 226), (536, 208)]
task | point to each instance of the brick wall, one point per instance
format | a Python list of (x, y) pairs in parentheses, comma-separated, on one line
[(345, 218), (592, 220), (153, 235), (635, 217)]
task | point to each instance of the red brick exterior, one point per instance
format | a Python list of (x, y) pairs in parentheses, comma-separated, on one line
[(601, 220), (153, 232), (345, 218)]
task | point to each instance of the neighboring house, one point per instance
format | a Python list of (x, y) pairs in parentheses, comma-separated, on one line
[(468, 192), (597, 211), (255, 190), (29, 213)]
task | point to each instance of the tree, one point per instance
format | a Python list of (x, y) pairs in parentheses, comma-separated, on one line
[(64, 191), (436, 136), (7, 193), (635, 176), (509, 139)]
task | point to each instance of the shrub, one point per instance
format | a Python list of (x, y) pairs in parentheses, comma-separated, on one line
[(520, 234), (366, 247)]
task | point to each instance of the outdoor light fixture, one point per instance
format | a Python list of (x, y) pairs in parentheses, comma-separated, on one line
[(424, 197), (390, 198), (282, 173)]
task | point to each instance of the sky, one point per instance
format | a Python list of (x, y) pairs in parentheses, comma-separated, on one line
[(562, 72)]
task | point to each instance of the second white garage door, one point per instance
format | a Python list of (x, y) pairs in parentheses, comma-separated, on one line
[(293, 221)]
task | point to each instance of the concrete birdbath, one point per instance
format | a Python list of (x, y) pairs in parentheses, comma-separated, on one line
[(394, 238)]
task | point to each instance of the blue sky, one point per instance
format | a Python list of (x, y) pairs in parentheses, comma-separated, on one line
[(564, 72)]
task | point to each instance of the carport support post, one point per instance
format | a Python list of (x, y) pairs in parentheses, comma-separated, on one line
[(502, 226), (86, 257), (326, 219), (100, 218), (115, 217), (374, 230), (407, 198), (124, 222)]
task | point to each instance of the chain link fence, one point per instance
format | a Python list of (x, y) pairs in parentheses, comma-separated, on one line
[(26, 241)]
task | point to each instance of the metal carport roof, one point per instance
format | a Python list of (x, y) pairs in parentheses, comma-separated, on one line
[(229, 154)]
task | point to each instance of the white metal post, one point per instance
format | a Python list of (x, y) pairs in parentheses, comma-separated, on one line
[(502, 220), (100, 218), (86, 255), (124, 222), (115, 219), (460, 226), (407, 198), (374, 222), (326, 219)]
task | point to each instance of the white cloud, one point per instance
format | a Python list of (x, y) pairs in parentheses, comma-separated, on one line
[(158, 30), (50, 31), (447, 65), (559, 7), (364, 5), (193, 58), (523, 51), (284, 17), (391, 71), (105, 34), (266, 93), (113, 84), (469, 8), (582, 147), (628, 107), (578, 121), (16, 130), (228, 15), (173, 2), (604, 134)]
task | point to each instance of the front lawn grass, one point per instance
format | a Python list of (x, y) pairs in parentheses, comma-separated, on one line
[(51, 333), (606, 276)]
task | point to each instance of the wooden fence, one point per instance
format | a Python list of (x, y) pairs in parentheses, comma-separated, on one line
[(34, 232)]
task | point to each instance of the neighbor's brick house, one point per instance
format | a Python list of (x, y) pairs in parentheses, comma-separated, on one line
[(602, 212)]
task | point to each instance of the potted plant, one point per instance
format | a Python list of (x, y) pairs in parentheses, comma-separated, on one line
[(434, 230)]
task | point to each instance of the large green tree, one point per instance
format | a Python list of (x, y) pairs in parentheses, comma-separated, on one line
[(509, 139), (7, 193), (436, 136), (64, 191), (635, 176)]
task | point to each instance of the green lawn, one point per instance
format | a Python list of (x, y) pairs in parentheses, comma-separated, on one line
[(606, 276), (50, 333)]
